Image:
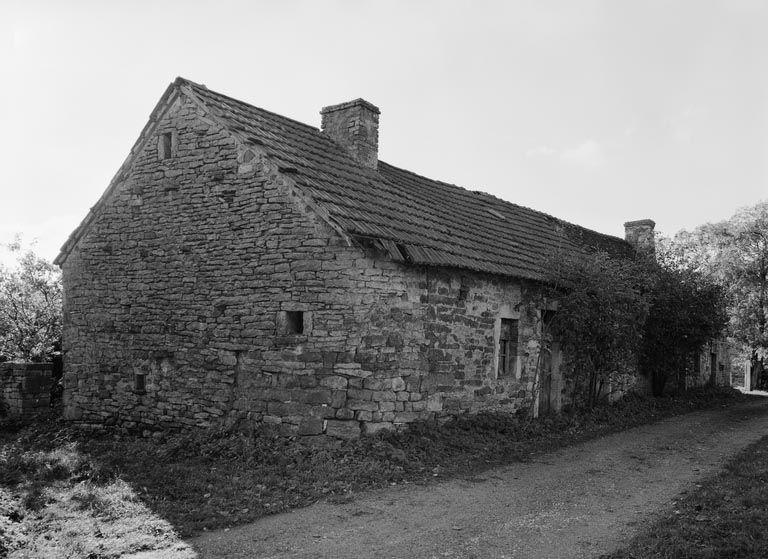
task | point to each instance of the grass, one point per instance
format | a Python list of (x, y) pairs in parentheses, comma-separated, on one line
[(726, 516), (52, 505), (65, 492)]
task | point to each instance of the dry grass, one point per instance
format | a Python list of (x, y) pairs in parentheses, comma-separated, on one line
[(66, 493), (52, 505)]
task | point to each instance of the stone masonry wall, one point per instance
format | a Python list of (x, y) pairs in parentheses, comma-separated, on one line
[(461, 314), (180, 297), (25, 388)]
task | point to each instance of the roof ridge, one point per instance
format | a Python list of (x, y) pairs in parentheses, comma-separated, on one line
[(499, 199), (444, 224), (317, 132), (437, 181), (415, 174), (240, 101)]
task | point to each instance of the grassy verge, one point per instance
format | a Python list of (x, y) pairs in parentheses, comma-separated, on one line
[(726, 516), (102, 495)]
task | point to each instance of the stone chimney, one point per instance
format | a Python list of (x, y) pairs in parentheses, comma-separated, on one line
[(354, 125), (640, 235)]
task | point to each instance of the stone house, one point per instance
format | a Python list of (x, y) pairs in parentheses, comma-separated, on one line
[(245, 267)]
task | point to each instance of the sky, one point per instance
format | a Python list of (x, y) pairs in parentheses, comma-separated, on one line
[(596, 112)]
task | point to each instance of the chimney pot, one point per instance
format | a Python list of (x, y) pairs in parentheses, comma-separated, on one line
[(640, 234), (354, 125)]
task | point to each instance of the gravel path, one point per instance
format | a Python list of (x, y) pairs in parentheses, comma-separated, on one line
[(577, 502)]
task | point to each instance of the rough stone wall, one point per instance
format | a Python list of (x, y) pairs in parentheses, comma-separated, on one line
[(459, 349), (181, 281), (25, 388), (176, 301)]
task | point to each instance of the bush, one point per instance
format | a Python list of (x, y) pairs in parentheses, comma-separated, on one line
[(617, 316), (686, 311), (601, 310)]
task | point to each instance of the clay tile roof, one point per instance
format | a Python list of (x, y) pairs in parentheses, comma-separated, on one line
[(410, 217), (413, 218)]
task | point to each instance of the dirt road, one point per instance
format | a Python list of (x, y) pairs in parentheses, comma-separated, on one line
[(577, 502)]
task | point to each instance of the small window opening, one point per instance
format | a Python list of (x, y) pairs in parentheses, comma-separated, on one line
[(463, 293), (140, 383), (696, 363), (508, 346), (294, 322), (165, 144)]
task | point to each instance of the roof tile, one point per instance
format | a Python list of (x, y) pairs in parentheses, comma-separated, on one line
[(433, 222)]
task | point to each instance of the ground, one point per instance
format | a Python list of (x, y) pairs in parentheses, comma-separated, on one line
[(65, 492), (577, 502)]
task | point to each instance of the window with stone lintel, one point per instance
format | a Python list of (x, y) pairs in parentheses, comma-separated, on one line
[(508, 347), (165, 145)]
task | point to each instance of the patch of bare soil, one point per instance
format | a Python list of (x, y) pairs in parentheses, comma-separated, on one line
[(577, 502)]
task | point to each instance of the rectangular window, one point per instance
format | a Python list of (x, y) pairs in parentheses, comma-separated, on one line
[(164, 145), (696, 363), (295, 322), (507, 347), (291, 323), (140, 383)]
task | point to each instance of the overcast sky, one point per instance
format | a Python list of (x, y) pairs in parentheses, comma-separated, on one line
[(597, 112)]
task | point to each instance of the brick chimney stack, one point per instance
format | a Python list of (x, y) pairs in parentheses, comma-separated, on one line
[(354, 125), (640, 235)]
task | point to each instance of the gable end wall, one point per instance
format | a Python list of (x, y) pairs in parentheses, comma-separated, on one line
[(183, 274)]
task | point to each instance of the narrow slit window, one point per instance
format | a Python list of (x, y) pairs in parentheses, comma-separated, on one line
[(463, 293), (507, 347), (165, 144), (140, 383)]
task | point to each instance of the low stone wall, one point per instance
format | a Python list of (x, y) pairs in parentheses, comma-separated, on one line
[(25, 388)]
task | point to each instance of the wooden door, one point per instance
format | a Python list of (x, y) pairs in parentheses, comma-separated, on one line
[(545, 382)]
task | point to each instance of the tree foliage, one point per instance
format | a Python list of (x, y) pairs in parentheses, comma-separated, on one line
[(615, 316), (686, 310), (735, 252), (30, 307)]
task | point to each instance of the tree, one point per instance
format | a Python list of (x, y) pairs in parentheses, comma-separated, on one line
[(601, 310), (30, 307), (735, 253), (686, 310)]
